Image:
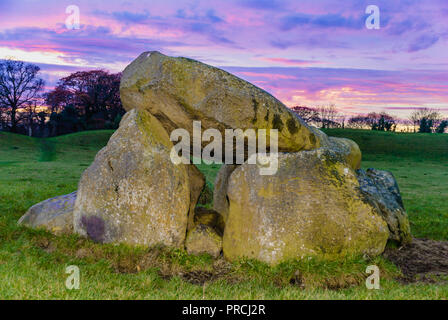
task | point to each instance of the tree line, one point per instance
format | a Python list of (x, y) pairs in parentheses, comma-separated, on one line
[(422, 120), (83, 100), (87, 100)]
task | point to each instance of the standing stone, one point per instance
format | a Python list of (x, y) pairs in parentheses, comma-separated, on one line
[(197, 182), (55, 214), (209, 217), (203, 239), (312, 206), (220, 200), (381, 191), (178, 91), (132, 192), (205, 236), (345, 150)]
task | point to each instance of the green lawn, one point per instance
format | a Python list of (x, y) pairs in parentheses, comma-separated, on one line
[(33, 262)]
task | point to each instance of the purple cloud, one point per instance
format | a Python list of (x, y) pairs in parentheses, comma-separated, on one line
[(423, 42)]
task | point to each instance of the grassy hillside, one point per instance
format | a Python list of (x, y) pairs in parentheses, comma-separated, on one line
[(32, 262), (377, 145)]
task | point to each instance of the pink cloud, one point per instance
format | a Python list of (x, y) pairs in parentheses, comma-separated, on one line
[(291, 62), (270, 76)]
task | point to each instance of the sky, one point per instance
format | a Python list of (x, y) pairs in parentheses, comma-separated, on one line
[(304, 52)]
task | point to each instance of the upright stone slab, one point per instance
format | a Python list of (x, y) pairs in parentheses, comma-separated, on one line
[(197, 182), (132, 192), (381, 191), (312, 206), (220, 199)]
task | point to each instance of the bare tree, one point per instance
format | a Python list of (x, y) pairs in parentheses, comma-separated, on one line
[(429, 116), (30, 116), (374, 121), (358, 122), (328, 116), (19, 86), (308, 114), (414, 118)]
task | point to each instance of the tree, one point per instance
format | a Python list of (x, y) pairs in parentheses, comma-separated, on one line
[(414, 118), (67, 121), (442, 126), (19, 85), (309, 115), (28, 116), (359, 122), (381, 121), (328, 116), (374, 121), (58, 98), (95, 92), (425, 125), (41, 118), (431, 119), (3, 118)]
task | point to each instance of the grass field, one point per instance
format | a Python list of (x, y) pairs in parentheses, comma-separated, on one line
[(33, 262)]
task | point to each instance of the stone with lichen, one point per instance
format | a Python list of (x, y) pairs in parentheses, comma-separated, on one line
[(209, 217), (203, 239), (132, 192), (178, 90), (197, 183), (55, 214), (381, 191), (312, 206)]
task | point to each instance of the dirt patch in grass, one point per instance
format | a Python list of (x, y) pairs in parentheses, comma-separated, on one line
[(219, 270), (164, 261), (423, 260), (169, 263), (334, 282)]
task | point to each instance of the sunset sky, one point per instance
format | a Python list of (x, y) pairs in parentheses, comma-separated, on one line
[(304, 52)]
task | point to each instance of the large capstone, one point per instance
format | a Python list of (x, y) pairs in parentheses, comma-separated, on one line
[(178, 91)]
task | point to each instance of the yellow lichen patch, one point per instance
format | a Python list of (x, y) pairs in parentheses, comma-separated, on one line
[(203, 239)]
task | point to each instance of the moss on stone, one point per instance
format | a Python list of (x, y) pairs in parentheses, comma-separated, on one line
[(277, 122), (292, 126)]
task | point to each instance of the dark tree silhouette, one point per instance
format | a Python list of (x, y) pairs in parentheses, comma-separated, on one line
[(442, 126), (426, 119), (308, 114), (57, 99), (328, 116), (19, 86), (91, 92), (359, 122), (375, 121)]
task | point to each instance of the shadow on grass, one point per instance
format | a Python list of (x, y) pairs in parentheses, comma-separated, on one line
[(47, 151)]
